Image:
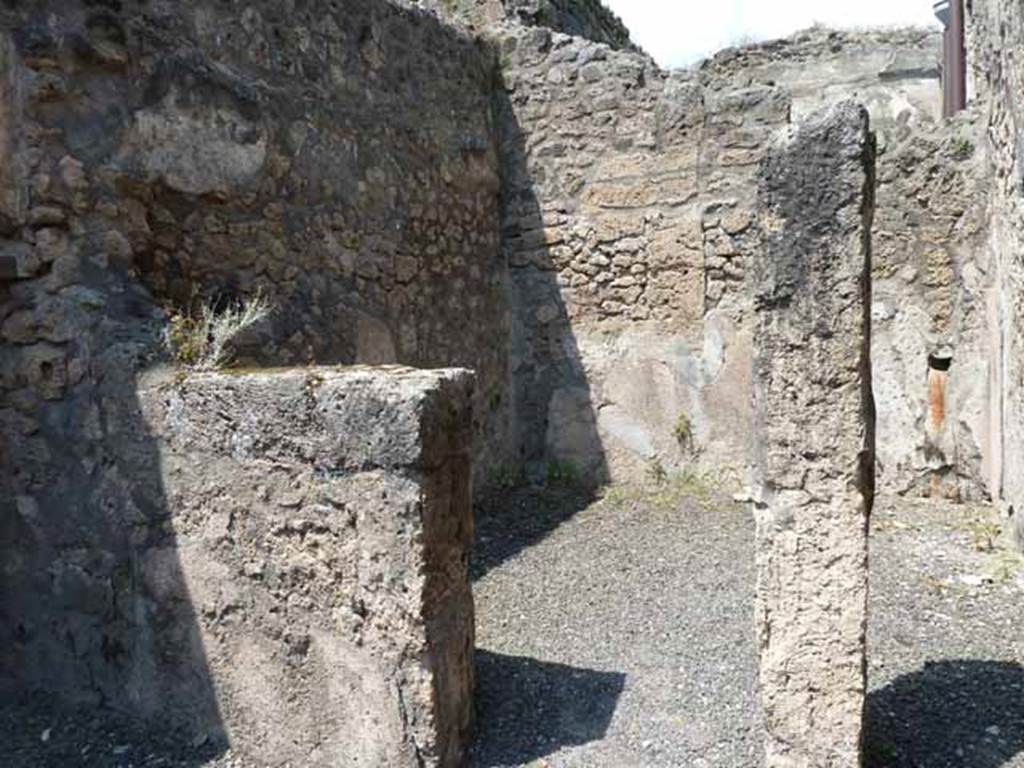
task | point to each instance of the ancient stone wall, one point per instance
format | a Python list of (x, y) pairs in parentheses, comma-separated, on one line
[(166, 154), (618, 337), (630, 191), (343, 164), (614, 201), (997, 32), (318, 531), (930, 266), (542, 205), (930, 277), (894, 72)]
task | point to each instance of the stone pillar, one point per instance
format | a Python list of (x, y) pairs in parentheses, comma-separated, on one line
[(814, 419), (321, 525)]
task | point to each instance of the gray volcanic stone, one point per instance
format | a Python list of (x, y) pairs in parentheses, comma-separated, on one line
[(323, 525), (815, 417), (1000, 32)]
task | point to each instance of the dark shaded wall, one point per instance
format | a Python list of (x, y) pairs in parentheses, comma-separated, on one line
[(339, 158)]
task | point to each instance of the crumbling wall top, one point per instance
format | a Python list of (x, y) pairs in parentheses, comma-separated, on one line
[(583, 18), (819, 42), (338, 418)]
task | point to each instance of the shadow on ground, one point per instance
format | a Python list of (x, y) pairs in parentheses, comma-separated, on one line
[(950, 713), (507, 524), (41, 731), (527, 709), (553, 439)]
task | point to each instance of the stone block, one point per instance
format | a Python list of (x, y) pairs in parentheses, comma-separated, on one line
[(814, 421), (322, 520)]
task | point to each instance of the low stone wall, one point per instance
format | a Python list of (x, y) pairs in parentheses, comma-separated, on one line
[(322, 523), (306, 591)]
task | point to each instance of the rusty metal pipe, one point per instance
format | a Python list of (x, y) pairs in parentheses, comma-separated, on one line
[(957, 58), (954, 56), (947, 49)]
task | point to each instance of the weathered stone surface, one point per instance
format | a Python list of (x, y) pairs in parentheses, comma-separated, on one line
[(626, 192), (893, 71), (340, 161), (607, 166), (350, 154), (997, 33), (929, 279), (217, 185), (815, 436), (630, 195), (590, 19), (346, 162), (323, 523)]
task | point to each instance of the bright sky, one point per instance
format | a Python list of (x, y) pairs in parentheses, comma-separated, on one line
[(679, 32)]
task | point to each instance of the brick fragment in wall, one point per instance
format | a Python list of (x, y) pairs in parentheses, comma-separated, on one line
[(814, 421)]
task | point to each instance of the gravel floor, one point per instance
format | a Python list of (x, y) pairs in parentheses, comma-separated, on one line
[(618, 634), (946, 639), (624, 638)]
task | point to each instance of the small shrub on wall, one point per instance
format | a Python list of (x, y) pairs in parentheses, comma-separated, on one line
[(200, 340)]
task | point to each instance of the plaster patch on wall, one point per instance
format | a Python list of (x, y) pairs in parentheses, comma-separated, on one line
[(211, 150)]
